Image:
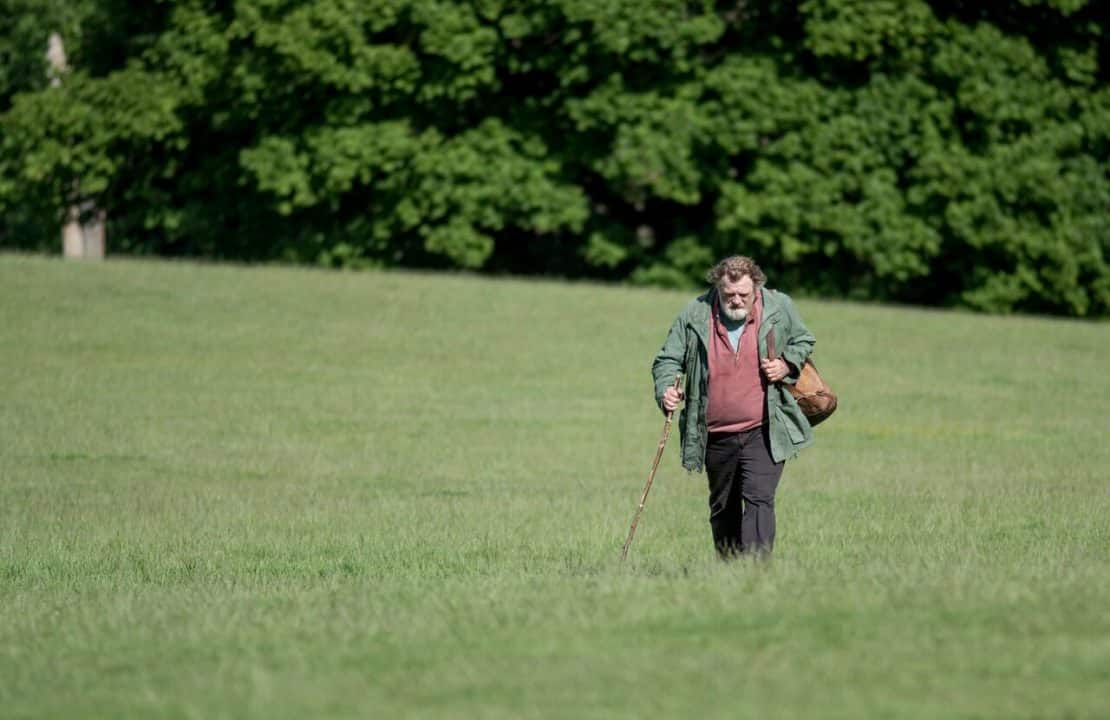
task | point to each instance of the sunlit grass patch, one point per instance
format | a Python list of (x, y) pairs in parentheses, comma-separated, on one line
[(263, 492)]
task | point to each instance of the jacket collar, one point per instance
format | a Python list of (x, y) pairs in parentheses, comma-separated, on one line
[(771, 305), (700, 318)]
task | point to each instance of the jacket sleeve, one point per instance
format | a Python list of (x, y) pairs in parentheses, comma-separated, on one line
[(799, 341), (669, 360)]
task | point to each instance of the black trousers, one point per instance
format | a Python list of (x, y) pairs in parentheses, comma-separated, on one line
[(742, 483)]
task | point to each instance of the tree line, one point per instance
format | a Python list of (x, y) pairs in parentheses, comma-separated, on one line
[(941, 152)]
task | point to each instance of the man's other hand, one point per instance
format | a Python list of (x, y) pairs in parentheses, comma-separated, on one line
[(672, 398), (774, 370)]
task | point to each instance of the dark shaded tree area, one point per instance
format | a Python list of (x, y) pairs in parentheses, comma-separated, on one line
[(942, 152)]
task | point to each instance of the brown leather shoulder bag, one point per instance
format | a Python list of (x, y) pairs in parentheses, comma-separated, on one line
[(815, 398)]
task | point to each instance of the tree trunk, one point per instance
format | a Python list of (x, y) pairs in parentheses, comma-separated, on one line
[(81, 238)]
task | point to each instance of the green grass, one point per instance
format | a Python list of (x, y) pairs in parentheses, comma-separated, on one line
[(264, 492)]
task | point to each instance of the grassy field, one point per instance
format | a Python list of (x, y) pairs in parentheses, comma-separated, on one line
[(274, 493)]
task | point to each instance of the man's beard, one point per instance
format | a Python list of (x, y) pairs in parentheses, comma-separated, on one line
[(738, 315)]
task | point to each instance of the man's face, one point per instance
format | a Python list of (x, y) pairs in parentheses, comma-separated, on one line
[(737, 297)]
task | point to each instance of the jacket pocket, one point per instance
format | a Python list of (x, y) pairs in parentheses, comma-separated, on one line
[(792, 422)]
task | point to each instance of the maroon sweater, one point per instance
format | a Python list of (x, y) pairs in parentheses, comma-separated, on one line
[(737, 390)]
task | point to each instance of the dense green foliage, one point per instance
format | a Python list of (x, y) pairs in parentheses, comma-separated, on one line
[(937, 152), (269, 493)]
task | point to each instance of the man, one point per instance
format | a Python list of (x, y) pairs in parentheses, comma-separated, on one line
[(738, 345)]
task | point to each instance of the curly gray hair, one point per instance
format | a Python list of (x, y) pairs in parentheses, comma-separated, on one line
[(734, 268)]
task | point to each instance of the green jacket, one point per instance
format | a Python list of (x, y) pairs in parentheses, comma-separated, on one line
[(686, 350)]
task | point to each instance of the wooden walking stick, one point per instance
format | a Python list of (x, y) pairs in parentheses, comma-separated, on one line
[(651, 477)]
